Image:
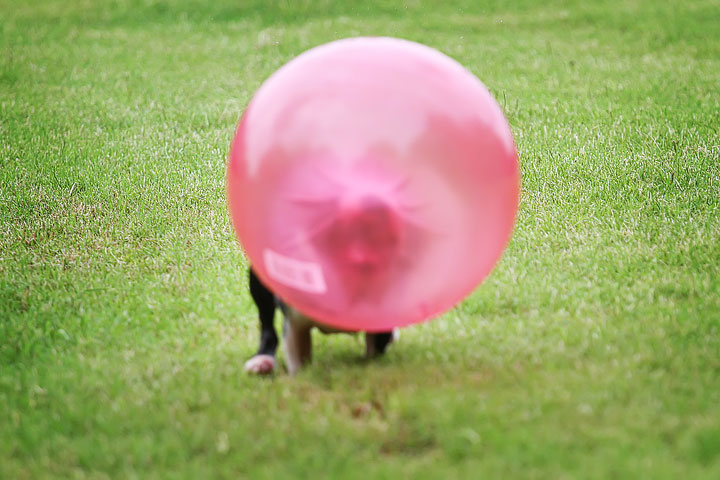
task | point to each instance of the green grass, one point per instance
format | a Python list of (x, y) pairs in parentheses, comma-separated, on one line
[(592, 351)]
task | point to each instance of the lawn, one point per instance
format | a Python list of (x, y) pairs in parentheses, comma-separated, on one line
[(591, 351)]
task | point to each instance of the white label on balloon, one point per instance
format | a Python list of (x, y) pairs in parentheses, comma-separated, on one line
[(305, 276)]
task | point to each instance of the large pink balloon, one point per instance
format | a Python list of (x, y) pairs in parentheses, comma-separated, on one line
[(373, 183)]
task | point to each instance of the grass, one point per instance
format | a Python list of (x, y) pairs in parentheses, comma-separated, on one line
[(592, 351)]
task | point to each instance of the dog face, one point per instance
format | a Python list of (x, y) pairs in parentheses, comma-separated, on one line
[(362, 244)]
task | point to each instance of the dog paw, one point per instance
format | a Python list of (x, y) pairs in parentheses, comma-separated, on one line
[(260, 365)]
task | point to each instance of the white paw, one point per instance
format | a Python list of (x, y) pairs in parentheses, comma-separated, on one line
[(260, 365)]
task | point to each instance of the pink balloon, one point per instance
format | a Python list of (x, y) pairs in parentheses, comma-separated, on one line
[(373, 183)]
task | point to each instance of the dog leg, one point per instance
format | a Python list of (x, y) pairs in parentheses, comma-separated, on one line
[(297, 341), (263, 362), (377, 343)]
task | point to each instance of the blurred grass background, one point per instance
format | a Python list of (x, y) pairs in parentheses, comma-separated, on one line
[(592, 351)]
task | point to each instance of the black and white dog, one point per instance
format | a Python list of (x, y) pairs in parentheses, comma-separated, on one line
[(296, 333)]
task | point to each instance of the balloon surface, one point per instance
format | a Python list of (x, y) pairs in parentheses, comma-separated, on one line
[(373, 183)]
